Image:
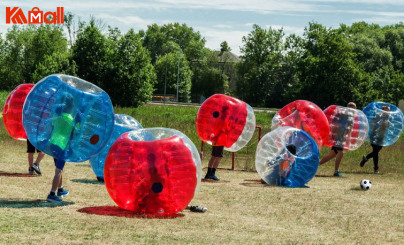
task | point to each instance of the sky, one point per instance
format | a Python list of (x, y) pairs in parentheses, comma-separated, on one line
[(222, 20)]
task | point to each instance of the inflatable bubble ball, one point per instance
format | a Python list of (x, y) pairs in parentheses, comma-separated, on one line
[(385, 123), (68, 118), (12, 111), (348, 127), (304, 115), (225, 121), (287, 157), (153, 171), (123, 123)]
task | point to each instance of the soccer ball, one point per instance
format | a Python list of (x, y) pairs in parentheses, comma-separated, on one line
[(366, 184)]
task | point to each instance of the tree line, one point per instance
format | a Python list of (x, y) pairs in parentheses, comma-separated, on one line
[(361, 63)]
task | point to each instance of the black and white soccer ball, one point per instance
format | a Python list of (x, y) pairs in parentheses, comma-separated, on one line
[(366, 184)]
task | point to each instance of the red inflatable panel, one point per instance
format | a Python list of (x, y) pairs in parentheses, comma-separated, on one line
[(304, 115), (151, 177), (348, 127), (12, 111), (221, 120)]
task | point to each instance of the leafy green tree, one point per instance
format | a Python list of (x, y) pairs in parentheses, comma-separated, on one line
[(57, 62), (260, 66), (167, 75), (92, 53), (133, 75), (209, 76), (329, 71), (27, 47), (188, 40)]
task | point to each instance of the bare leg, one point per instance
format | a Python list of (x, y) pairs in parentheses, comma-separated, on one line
[(211, 162), (328, 157), (57, 179), (216, 162), (30, 159), (338, 160), (39, 157)]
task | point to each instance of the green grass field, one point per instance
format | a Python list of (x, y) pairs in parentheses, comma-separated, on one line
[(240, 210)]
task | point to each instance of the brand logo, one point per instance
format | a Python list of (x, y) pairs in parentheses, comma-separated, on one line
[(15, 15)]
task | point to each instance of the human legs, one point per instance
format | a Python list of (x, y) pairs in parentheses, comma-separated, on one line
[(328, 157), (57, 183), (217, 154), (375, 155)]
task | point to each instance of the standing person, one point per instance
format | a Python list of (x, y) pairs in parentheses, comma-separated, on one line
[(217, 155), (379, 127), (33, 166), (339, 137), (57, 183)]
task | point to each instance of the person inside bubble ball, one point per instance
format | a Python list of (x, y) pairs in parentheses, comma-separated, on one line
[(339, 137), (217, 155), (377, 135), (64, 124), (282, 165)]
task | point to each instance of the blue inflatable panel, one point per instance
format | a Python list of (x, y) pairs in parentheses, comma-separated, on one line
[(123, 123), (287, 157), (385, 126), (68, 118)]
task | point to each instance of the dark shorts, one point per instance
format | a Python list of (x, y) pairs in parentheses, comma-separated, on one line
[(217, 151), (31, 148), (336, 149), (60, 164)]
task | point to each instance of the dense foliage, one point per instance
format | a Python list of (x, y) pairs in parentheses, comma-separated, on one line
[(361, 63)]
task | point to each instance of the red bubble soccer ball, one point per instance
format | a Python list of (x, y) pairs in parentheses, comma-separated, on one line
[(12, 111), (304, 115), (225, 121), (153, 177)]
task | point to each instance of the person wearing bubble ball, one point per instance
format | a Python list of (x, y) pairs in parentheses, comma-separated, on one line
[(282, 170), (383, 120), (339, 136), (64, 125), (217, 155)]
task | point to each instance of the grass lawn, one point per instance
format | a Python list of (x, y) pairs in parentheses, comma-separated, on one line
[(240, 210)]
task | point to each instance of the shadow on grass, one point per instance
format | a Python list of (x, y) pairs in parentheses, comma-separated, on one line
[(119, 212), (5, 203), (357, 188), (214, 181), (258, 183), (360, 172), (88, 181), (2, 173)]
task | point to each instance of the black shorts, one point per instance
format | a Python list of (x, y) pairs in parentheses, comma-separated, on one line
[(31, 148), (217, 151), (336, 149)]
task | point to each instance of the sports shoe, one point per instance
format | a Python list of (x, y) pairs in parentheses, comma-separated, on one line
[(30, 171), (213, 177), (36, 168), (364, 160), (337, 174), (198, 209), (53, 199), (62, 192)]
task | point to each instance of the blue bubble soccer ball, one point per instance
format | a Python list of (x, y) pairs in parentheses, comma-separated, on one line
[(287, 157), (68, 118), (123, 123), (385, 127)]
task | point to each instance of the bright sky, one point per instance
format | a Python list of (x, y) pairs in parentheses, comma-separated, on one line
[(222, 20)]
